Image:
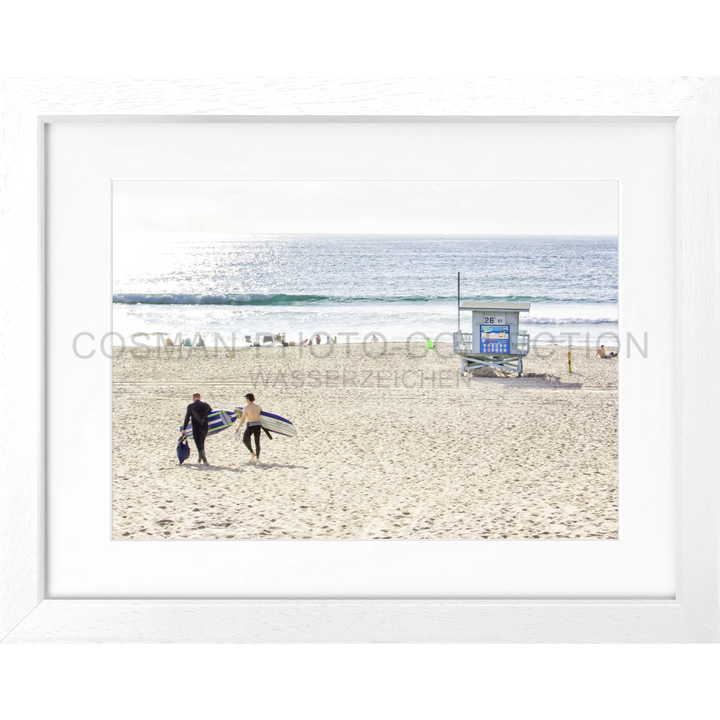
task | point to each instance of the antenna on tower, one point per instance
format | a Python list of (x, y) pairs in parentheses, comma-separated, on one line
[(458, 301)]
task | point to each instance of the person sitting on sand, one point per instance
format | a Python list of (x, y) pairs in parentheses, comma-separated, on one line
[(200, 342), (251, 415), (317, 339), (375, 338), (198, 411), (603, 355)]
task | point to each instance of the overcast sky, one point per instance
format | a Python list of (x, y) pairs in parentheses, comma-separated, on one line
[(236, 207)]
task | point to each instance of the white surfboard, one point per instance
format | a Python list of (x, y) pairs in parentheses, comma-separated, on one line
[(220, 420)]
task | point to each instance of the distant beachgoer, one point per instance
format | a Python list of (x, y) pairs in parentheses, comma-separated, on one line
[(317, 339), (251, 415), (198, 411), (328, 341), (188, 342), (375, 339), (603, 355), (168, 341), (200, 342)]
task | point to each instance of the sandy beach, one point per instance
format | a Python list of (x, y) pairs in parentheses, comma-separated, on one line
[(392, 443)]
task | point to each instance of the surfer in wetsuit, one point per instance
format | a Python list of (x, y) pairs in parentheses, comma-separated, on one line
[(198, 411), (251, 415)]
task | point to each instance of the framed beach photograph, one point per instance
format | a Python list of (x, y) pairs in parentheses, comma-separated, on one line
[(397, 376), (417, 412)]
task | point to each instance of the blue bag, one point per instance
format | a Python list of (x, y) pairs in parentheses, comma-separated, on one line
[(183, 450)]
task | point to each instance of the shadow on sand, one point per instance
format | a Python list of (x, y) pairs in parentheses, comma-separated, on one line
[(242, 468), (530, 381), (265, 466), (209, 468)]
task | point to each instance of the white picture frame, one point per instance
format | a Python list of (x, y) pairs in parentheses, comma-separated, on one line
[(692, 104)]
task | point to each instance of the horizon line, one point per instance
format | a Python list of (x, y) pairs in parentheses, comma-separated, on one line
[(369, 234)]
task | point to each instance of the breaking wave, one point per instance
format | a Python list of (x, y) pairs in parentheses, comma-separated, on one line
[(284, 299), (566, 321)]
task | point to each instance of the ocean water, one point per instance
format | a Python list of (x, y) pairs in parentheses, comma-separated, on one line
[(354, 286)]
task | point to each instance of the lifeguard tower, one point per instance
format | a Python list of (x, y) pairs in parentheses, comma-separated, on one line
[(496, 339)]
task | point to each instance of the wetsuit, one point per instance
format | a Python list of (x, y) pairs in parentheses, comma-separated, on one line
[(198, 411), (253, 429)]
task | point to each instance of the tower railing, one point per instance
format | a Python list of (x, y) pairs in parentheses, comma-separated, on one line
[(462, 342)]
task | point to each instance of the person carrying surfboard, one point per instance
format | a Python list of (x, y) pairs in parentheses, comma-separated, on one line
[(251, 415), (198, 411)]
